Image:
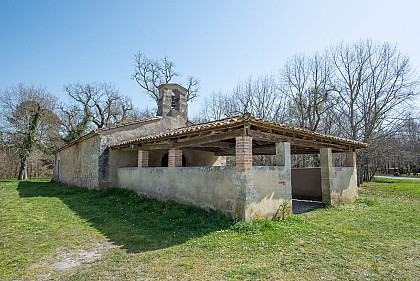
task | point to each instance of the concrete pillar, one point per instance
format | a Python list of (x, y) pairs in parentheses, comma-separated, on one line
[(244, 153), (175, 158), (143, 158), (327, 174), (283, 158), (350, 159)]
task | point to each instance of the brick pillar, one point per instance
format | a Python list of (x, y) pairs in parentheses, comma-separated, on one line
[(175, 158), (143, 158), (350, 159), (243, 153), (327, 174)]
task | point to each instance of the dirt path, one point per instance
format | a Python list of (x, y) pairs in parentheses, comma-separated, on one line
[(397, 178)]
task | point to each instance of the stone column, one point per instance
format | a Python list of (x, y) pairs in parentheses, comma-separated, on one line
[(350, 159), (327, 174), (283, 158), (244, 153), (143, 158), (175, 158)]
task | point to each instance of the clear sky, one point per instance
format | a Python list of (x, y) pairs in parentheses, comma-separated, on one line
[(220, 42)]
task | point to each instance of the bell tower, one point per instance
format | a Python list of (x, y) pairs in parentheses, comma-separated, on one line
[(172, 100)]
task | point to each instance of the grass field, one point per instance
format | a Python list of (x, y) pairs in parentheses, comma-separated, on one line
[(52, 232)]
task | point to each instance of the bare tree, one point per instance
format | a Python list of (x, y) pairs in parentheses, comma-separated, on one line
[(138, 114), (214, 107), (374, 85), (150, 73), (99, 104), (400, 153), (306, 81), (260, 97), (27, 113), (75, 121)]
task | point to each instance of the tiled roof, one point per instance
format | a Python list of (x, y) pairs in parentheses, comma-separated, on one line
[(237, 121), (308, 132), (116, 126), (125, 124)]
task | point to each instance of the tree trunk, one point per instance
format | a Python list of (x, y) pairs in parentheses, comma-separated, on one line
[(23, 170)]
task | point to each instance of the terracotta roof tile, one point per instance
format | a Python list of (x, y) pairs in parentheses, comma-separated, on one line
[(116, 126), (232, 121)]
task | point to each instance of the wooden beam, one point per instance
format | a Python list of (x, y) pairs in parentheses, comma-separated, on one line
[(263, 136), (219, 144), (315, 137), (264, 150), (208, 138)]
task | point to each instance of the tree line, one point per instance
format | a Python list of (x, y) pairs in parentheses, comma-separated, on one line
[(362, 91), (34, 123)]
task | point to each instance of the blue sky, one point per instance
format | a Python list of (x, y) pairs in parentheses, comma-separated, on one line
[(53, 43)]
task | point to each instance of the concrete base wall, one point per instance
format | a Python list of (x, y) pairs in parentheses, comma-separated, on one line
[(207, 187), (267, 189), (306, 184), (344, 188), (246, 195)]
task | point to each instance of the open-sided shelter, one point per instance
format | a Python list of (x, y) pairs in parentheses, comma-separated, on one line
[(186, 162)]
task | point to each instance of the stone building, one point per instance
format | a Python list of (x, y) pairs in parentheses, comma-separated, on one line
[(167, 157)]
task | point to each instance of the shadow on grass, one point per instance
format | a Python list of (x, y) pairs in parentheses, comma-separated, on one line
[(133, 222), (8, 180)]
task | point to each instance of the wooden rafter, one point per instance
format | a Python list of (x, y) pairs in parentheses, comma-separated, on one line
[(219, 137)]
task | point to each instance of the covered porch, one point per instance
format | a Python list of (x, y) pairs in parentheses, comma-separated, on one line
[(197, 173)]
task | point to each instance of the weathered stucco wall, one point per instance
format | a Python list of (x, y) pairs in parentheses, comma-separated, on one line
[(78, 164), (197, 158), (153, 126), (244, 195), (119, 159), (110, 160), (194, 158), (207, 187), (155, 157), (90, 163), (306, 184), (266, 190), (344, 187)]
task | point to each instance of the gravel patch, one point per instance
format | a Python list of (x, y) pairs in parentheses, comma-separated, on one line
[(303, 206)]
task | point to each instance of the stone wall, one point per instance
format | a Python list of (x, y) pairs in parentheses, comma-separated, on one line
[(78, 164), (253, 194), (90, 163)]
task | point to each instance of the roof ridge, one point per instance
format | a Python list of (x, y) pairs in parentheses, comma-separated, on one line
[(128, 123)]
